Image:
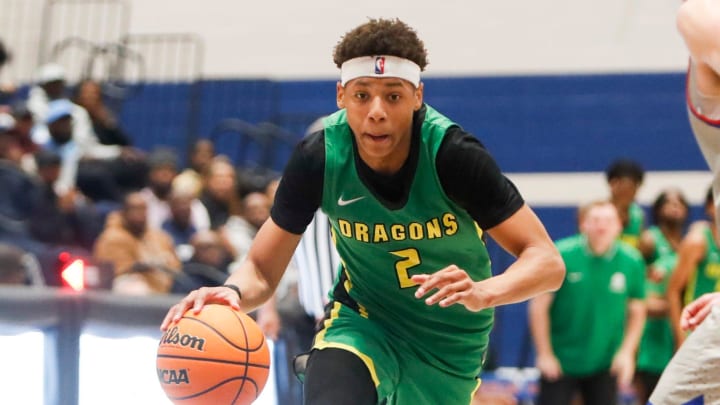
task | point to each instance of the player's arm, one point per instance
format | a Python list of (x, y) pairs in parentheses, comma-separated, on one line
[(496, 205), (696, 311), (538, 268), (646, 244), (539, 318), (623, 365), (297, 198), (259, 274), (699, 24), (690, 253)]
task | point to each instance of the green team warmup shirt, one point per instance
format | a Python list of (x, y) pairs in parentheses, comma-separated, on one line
[(706, 278), (633, 228), (381, 248), (589, 311)]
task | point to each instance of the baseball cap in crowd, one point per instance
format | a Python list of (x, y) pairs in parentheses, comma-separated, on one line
[(163, 157), (51, 72), (47, 158), (58, 109)]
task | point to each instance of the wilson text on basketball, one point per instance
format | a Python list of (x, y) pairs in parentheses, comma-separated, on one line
[(174, 337)]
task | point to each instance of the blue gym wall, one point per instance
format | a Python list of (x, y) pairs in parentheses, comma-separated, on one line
[(558, 123)]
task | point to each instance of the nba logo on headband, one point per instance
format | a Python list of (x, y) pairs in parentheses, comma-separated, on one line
[(379, 65)]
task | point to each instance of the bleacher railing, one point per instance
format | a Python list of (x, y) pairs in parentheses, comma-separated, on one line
[(62, 315)]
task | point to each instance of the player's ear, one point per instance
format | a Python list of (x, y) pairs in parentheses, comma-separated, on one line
[(340, 96), (419, 96)]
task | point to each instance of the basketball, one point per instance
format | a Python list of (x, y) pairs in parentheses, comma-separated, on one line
[(218, 356)]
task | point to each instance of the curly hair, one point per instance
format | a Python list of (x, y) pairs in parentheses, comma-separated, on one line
[(381, 37)]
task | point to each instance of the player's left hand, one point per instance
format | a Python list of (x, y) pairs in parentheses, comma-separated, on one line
[(453, 286), (623, 368)]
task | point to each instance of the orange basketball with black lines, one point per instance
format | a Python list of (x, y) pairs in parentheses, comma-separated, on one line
[(218, 356)]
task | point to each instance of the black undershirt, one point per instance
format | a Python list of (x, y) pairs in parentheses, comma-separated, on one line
[(467, 173)]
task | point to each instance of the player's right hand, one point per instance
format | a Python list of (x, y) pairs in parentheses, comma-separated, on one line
[(549, 367), (197, 299), (695, 312)]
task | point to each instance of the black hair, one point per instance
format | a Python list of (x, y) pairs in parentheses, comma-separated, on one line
[(381, 37), (662, 199), (625, 168)]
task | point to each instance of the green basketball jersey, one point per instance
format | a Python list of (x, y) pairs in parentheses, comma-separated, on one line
[(657, 345), (589, 311), (381, 248), (633, 228), (662, 245), (706, 278)]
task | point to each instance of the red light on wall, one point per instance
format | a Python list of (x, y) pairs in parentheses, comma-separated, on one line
[(74, 275)]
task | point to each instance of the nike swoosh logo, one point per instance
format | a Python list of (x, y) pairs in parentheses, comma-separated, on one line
[(343, 203)]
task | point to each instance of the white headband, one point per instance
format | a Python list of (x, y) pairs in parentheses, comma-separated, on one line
[(380, 66)]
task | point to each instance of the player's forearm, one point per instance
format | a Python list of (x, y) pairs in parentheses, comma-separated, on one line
[(540, 324), (675, 310), (537, 270), (255, 288), (657, 307), (634, 327)]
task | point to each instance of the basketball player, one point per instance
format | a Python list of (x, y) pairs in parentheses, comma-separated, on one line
[(692, 375), (658, 245), (624, 177), (698, 268), (408, 193)]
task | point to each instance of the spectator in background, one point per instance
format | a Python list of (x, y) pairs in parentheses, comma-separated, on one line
[(208, 266), (586, 334), (104, 122), (624, 178), (220, 195), (143, 258), (192, 178), (12, 266), (23, 131), (124, 165), (179, 225), (7, 90), (658, 245), (163, 164), (698, 267), (241, 228), (19, 189), (65, 220)]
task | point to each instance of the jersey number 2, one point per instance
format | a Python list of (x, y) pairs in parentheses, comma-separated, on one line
[(409, 259)]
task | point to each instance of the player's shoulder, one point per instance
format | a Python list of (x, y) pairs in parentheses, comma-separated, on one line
[(570, 243), (697, 232), (630, 252)]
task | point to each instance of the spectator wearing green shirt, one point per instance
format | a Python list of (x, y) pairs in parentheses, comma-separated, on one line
[(658, 245), (586, 334)]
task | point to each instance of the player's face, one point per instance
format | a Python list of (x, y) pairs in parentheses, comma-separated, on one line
[(673, 210), (601, 225), (624, 190), (380, 112)]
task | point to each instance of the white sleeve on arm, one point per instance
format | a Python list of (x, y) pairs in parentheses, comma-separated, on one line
[(317, 264), (692, 375)]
